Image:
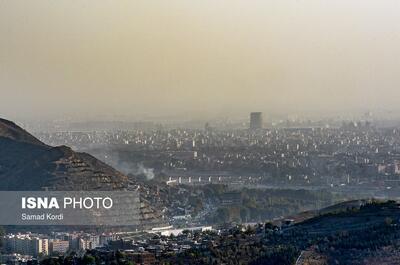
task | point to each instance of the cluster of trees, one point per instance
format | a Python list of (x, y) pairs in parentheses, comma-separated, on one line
[(375, 228), (238, 247), (259, 205), (91, 257), (372, 227), (346, 246)]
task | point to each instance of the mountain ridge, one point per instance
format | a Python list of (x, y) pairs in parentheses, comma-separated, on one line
[(26, 163), (10, 130)]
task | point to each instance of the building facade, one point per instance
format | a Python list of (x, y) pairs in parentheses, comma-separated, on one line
[(256, 120)]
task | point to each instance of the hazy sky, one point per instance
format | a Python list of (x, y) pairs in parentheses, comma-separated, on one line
[(168, 57)]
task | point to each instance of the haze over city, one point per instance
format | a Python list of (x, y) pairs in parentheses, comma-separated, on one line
[(202, 58), (199, 132)]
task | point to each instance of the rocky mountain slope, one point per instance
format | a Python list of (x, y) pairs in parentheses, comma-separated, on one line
[(28, 164)]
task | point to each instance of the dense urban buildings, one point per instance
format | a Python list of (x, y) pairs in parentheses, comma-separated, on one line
[(199, 132), (353, 156), (202, 183)]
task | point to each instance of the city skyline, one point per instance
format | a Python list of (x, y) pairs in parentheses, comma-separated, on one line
[(199, 132)]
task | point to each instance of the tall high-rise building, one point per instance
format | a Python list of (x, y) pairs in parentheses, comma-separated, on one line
[(256, 120)]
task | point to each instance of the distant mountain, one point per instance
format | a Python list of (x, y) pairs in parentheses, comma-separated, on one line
[(10, 130), (28, 164)]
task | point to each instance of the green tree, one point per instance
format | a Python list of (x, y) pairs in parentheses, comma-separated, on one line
[(88, 259)]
